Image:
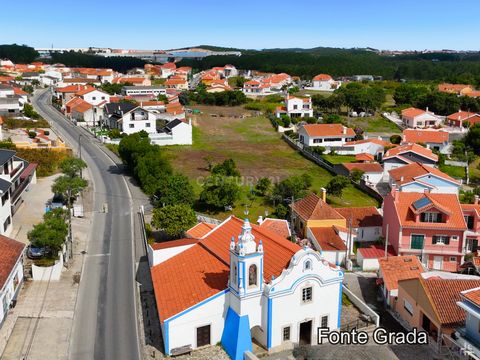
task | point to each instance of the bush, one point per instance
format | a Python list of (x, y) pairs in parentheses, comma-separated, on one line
[(395, 139), (32, 134)]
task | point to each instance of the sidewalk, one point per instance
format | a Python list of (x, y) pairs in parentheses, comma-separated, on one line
[(39, 326)]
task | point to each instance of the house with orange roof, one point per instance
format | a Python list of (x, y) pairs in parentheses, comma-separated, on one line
[(393, 269), (330, 242), (462, 119), (12, 253), (473, 94), (418, 118), (93, 96), (279, 226), (367, 257), (243, 282), (430, 304), (82, 112), (100, 75), (295, 107), (167, 69), (326, 135), (372, 173), (324, 82), (417, 177), (435, 140), (471, 213), (177, 84), (428, 225), (407, 154), (256, 88), (134, 80), (365, 223), (468, 335), (459, 89)]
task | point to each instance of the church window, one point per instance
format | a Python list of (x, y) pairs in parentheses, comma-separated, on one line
[(252, 275), (307, 294), (286, 333), (307, 265)]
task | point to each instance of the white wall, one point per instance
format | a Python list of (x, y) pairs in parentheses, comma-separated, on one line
[(130, 126), (335, 257), (368, 234), (156, 257), (5, 212), (373, 178), (181, 135), (367, 264), (96, 97), (8, 291)]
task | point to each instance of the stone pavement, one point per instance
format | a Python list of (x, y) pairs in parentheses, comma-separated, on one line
[(39, 326)]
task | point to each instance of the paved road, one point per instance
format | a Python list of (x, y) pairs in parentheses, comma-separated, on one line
[(105, 323)]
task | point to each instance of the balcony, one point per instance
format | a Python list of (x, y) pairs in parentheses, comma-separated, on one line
[(17, 170)]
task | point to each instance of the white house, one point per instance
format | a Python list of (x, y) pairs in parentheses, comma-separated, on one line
[(145, 91), (436, 140), (372, 172), (94, 96), (418, 118), (83, 112), (366, 222), (256, 88), (296, 107), (407, 154), (330, 242), (175, 132), (367, 257), (417, 177), (260, 286), (11, 273), (372, 146), (324, 82), (129, 118), (160, 252), (327, 135)]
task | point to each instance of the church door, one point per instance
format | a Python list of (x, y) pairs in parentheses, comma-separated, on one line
[(203, 335), (305, 333)]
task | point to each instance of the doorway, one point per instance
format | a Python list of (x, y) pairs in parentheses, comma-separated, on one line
[(437, 262), (203, 335), (305, 337)]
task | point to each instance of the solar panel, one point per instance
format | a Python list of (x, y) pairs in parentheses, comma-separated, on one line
[(420, 203)]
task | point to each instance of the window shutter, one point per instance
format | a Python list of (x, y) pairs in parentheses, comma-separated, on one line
[(422, 217), (434, 240), (439, 218), (447, 240)]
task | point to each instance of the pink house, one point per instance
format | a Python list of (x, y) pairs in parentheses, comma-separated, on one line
[(471, 213), (428, 225)]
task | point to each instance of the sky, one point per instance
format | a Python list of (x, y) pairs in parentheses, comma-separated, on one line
[(252, 24)]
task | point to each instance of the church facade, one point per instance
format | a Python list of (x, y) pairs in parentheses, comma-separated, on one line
[(242, 281)]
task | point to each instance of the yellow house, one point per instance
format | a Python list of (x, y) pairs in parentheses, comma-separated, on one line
[(313, 211)]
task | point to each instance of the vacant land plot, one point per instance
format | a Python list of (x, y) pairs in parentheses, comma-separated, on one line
[(377, 124), (339, 159), (258, 152)]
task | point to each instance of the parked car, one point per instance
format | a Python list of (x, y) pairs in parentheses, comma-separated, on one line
[(36, 252), (58, 201)]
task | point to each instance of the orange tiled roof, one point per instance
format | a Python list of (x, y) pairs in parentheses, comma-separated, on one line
[(364, 157), (376, 251), (365, 167), (278, 226), (82, 107), (85, 90), (446, 203), (312, 207), (362, 216), (472, 295), (452, 87), (175, 82), (328, 130), (328, 238), (408, 173), (10, 251), (460, 115), (18, 91), (200, 230), (425, 136), (412, 112), (418, 149), (133, 80), (202, 270), (173, 243), (473, 94), (444, 294), (395, 268), (322, 77)]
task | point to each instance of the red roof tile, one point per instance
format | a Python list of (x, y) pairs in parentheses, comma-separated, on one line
[(444, 294), (397, 268), (361, 216), (200, 230), (408, 173), (365, 167), (10, 252), (202, 270), (322, 77), (364, 157), (425, 136), (376, 251), (412, 112), (472, 295), (312, 207), (328, 130), (173, 243), (415, 148), (328, 239), (278, 226)]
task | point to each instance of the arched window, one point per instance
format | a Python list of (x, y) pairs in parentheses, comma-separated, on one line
[(307, 265), (252, 275)]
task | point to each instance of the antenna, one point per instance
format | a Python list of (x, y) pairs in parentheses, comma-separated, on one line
[(246, 210)]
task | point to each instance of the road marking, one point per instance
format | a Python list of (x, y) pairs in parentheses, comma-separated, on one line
[(97, 255)]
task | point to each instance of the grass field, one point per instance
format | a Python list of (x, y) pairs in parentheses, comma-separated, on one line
[(339, 159), (454, 171), (474, 170), (377, 124), (258, 152)]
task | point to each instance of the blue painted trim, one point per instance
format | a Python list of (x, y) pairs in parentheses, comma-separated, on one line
[(339, 305), (213, 297), (261, 274), (269, 324), (166, 338), (252, 255), (308, 276)]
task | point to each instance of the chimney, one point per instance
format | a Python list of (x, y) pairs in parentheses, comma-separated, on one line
[(426, 191), (401, 178), (344, 130), (475, 201), (260, 220), (426, 109), (324, 194)]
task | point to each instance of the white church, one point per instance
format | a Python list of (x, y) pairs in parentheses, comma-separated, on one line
[(241, 281)]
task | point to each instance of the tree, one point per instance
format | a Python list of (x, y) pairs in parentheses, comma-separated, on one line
[(292, 187), (150, 168), (226, 168), (132, 147), (356, 175), (336, 186), (262, 186), (114, 134), (220, 191), (472, 139), (162, 97), (72, 167), (18, 54), (50, 233), (174, 220), (281, 211), (69, 187), (395, 139), (174, 189)]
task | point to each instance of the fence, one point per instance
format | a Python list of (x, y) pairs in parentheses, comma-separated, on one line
[(205, 218), (364, 308), (334, 169)]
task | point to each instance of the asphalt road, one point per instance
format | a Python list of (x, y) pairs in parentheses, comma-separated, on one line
[(105, 321)]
